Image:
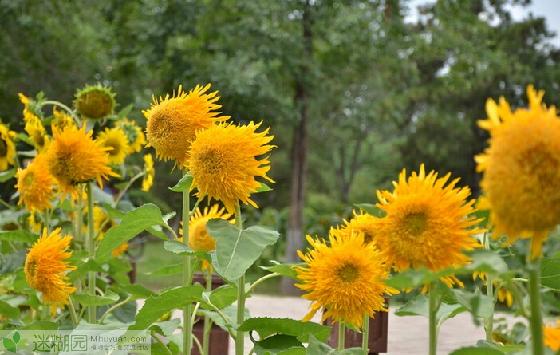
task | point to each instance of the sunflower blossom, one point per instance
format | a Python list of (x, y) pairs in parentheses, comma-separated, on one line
[(224, 162), (95, 101), (7, 147), (61, 120), (102, 222), (74, 157), (199, 239), (359, 223), (428, 223), (173, 121), (344, 277), (115, 142), (149, 173), (35, 185), (134, 134), (521, 169), (46, 266), (36, 131), (552, 336)]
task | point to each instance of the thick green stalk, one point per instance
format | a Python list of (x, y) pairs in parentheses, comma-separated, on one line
[(92, 310), (365, 335), (341, 344), (240, 335), (535, 320), (489, 323), (433, 308), (207, 322), (187, 277)]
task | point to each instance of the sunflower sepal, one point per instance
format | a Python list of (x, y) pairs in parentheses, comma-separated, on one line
[(184, 184)]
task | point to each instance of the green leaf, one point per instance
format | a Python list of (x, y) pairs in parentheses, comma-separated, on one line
[(550, 273), (177, 247), (91, 300), (237, 250), (472, 350), (167, 270), (138, 291), (486, 261), (223, 296), (184, 184), (263, 188), (132, 223), (299, 329), (83, 268), (279, 344), (8, 310), (41, 324), (158, 305), (11, 262), (282, 269), (479, 305), (124, 112), (9, 345), (21, 236), (418, 306), (7, 175), (369, 208)]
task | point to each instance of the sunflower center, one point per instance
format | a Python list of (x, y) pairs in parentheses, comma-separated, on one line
[(415, 223), (213, 161), (28, 179), (368, 238), (39, 139), (3, 148), (539, 162), (347, 272), (114, 147)]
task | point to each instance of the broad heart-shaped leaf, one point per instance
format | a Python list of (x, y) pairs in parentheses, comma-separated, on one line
[(279, 344), (156, 306), (8, 310), (266, 327), (184, 184), (237, 250), (487, 261), (473, 350), (21, 236), (221, 297), (90, 300), (418, 306), (132, 223), (480, 306), (550, 273)]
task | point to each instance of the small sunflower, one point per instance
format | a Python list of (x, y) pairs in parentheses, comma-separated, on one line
[(116, 144), (521, 169), (102, 222), (502, 293), (7, 147), (61, 120), (46, 266), (199, 239), (35, 185), (32, 223), (224, 162), (74, 157), (346, 278), (95, 101), (427, 223), (359, 223), (173, 121), (134, 134), (36, 131), (552, 336), (149, 172)]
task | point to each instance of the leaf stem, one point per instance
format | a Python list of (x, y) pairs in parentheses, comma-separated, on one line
[(73, 313), (433, 308), (113, 307), (92, 310), (341, 336), (535, 319), (187, 277), (240, 337), (365, 335)]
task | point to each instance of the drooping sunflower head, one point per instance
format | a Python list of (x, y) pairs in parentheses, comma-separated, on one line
[(149, 172), (521, 169), (552, 336), (74, 157), (115, 142), (134, 134), (428, 222), (225, 165), (199, 239), (344, 277), (102, 222), (363, 223), (35, 185), (173, 121), (46, 266), (7, 147), (61, 120), (95, 101)]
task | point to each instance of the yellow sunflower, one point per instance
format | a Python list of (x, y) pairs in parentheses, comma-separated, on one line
[(521, 169), (95, 101), (149, 172), (46, 266), (428, 223), (173, 121), (102, 222), (35, 185), (224, 162), (134, 134), (61, 120), (36, 131), (344, 277), (199, 239), (74, 157), (502, 293), (552, 336), (7, 147), (116, 144), (33, 225), (359, 223)]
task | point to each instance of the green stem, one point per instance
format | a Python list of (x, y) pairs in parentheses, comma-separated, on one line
[(113, 307), (535, 319), (64, 107), (207, 322), (92, 310), (433, 308), (187, 277), (341, 336), (73, 313), (489, 324), (365, 335), (240, 337)]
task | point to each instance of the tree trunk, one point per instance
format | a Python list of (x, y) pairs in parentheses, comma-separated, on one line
[(299, 154)]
